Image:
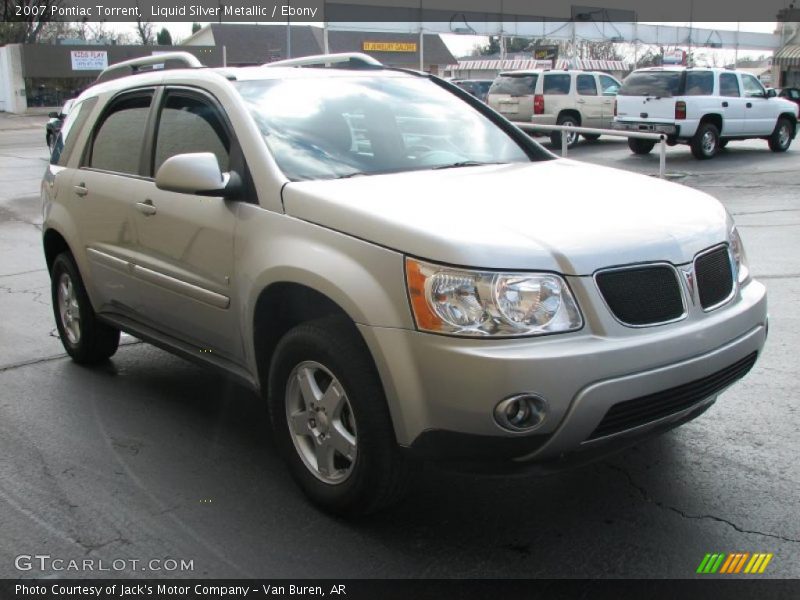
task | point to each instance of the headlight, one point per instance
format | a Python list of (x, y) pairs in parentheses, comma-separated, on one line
[(739, 256), (485, 303)]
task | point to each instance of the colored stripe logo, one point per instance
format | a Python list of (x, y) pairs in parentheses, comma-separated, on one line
[(734, 563)]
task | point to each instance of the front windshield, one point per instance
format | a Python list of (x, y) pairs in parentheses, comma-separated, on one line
[(324, 128)]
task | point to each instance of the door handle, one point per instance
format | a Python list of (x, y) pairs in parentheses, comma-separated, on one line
[(146, 207), (724, 105), (581, 101), (749, 105), (81, 189)]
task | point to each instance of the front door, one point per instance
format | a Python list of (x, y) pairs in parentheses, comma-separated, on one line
[(186, 241), (759, 118), (609, 87)]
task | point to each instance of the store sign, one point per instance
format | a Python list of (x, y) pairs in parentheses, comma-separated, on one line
[(546, 53), (89, 60), (389, 46)]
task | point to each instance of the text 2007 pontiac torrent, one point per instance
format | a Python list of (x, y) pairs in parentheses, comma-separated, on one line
[(401, 272)]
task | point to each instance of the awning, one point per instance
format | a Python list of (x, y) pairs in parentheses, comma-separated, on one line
[(788, 56), (517, 65)]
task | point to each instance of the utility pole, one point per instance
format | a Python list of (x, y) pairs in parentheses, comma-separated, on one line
[(288, 31)]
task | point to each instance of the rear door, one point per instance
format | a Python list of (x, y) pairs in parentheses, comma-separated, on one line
[(512, 94), (648, 96), (589, 100), (185, 241), (609, 87), (732, 104), (103, 199)]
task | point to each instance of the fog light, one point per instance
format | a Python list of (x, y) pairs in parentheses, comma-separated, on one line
[(522, 412)]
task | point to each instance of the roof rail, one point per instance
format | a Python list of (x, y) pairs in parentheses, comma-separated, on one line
[(133, 66), (345, 60)]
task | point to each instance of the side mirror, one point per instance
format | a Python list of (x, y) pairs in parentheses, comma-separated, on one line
[(771, 93), (54, 115), (197, 173)]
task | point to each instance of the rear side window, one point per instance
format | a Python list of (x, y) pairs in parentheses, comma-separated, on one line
[(728, 85), (191, 124), (557, 84), (657, 84), (70, 131), (118, 140), (586, 85), (699, 83), (514, 85)]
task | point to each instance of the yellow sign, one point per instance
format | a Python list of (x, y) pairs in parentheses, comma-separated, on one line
[(389, 46)]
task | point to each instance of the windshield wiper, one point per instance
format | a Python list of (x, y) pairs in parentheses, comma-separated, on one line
[(349, 175), (467, 163)]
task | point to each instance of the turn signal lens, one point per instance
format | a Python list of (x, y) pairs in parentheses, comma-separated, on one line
[(485, 303)]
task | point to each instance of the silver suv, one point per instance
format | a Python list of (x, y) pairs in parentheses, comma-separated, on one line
[(393, 266), (545, 97)]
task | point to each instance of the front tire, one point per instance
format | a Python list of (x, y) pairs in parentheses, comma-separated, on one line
[(331, 420), (781, 137), (640, 146), (87, 340), (591, 137), (705, 143)]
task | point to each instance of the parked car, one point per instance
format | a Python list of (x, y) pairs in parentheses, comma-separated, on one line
[(577, 98), (363, 285), (703, 107), (477, 87), (53, 126), (792, 94)]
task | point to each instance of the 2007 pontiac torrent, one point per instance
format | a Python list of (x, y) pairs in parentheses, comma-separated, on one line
[(397, 269)]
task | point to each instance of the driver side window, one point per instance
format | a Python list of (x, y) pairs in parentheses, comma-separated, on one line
[(752, 86), (189, 124)]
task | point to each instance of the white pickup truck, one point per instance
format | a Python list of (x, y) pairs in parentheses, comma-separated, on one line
[(704, 108)]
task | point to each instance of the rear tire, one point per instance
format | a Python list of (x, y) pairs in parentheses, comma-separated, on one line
[(572, 138), (639, 146), (781, 138), (327, 359), (87, 340), (705, 143)]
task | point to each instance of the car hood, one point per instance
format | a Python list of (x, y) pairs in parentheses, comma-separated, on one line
[(558, 215)]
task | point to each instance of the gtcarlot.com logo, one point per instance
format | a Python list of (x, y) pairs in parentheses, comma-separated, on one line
[(735, 563)]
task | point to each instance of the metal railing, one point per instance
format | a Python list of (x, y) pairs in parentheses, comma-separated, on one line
[(566, 129)]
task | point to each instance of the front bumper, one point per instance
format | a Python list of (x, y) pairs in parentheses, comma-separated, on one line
[(442, 390)]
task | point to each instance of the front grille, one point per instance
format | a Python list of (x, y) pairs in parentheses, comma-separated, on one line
[(714, 276), (646, 409), (642, 295)]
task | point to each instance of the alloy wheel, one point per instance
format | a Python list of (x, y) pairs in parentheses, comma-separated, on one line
[(321, 422)]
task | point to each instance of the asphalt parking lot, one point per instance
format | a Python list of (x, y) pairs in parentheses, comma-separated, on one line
[(151, 457)]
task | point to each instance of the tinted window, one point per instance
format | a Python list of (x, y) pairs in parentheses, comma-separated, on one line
[(189, 124), (699, 83), (514, 85), (118, 141), (652, 83), (586, 85), (610, 85), (342, 126), (70, 131), (728, 85), (752, 87), (556, 84)]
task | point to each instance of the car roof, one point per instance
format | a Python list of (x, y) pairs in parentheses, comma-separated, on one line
[(557, 71)]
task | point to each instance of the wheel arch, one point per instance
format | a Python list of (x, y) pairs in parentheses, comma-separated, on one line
[(713, 118), (54, 244), (571, 112)]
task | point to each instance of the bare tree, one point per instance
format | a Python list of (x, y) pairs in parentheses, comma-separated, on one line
[(26, 29), (144, 28)]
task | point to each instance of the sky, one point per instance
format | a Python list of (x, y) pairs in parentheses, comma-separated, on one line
[(461, 45)]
